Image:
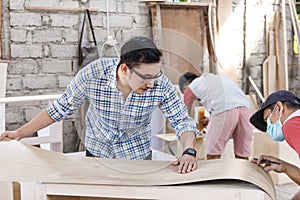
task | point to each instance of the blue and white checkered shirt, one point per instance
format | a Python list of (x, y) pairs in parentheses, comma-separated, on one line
[(118, 127)]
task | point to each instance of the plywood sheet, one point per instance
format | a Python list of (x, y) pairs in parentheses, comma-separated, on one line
[(182, 39), (20, 162)]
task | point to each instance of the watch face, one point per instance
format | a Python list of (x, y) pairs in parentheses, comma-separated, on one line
[(190, 151)]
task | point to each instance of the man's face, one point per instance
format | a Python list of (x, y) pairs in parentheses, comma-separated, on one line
[(267, 113), (274, 112), (142, 78)]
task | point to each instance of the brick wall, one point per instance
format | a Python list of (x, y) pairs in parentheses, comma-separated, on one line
[(41, 46)]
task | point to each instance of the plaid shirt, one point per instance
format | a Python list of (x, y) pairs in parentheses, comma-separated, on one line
[(118, 127)]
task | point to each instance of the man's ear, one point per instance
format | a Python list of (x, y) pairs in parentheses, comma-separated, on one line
[(124, 68), (279, 104)]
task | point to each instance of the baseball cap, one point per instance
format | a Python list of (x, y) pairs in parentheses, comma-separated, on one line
[(257, 119)]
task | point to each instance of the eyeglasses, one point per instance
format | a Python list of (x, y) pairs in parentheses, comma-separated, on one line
[(147, 78)]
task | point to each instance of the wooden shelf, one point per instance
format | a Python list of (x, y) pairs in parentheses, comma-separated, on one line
[(176, 4)]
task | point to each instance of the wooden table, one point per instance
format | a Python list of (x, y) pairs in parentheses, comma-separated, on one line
[(214, 190)]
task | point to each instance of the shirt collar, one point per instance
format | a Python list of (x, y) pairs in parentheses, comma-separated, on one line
[(111, 68), (294, 114)]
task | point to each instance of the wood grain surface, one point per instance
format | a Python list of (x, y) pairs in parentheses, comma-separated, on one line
[(20, 162)]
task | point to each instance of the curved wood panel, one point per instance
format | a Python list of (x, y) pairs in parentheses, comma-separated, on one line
[(20, 162)]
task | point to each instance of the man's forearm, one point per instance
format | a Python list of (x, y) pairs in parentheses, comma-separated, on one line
[(188, 140), (40, 121), (293, 172)]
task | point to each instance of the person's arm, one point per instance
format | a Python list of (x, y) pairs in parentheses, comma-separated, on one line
[(175, 110), (289, 169), (188, 140), (189, 98), (40, 121), (293, 172), (186, 162)]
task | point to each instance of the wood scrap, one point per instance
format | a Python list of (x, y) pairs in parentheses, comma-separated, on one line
[(265, 77), (272, 64), (278, 50), (256, 89)]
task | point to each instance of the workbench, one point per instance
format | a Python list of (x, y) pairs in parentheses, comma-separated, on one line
[(211, 190)]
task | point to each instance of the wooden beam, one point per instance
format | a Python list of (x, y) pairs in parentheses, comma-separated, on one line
[(256, 89), (49, 8), (265, 77), (3, 72), (284, 69), (176, 4), (29, 98)]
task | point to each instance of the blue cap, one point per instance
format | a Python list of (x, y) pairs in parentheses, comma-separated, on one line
[(257, 119)]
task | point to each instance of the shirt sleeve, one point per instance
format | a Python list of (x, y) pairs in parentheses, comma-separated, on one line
[(176, 111), (71, 99), (189, 97)]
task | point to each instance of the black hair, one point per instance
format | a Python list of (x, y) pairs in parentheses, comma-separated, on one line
[(139, 50), (292, 105), (186, 79)]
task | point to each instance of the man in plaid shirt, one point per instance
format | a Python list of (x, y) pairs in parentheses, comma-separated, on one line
[(122, 95)]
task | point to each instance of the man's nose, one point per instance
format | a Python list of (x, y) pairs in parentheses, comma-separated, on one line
[(150, 84)]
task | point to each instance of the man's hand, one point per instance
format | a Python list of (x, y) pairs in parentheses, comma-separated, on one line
[(11, 135), (204, 121), (271, 163), (186, 163)]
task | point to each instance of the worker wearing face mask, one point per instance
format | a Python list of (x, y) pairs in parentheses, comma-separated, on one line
[(279, 116), (274, 127)]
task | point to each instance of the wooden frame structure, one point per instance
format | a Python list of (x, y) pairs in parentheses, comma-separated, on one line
[(185, 45)]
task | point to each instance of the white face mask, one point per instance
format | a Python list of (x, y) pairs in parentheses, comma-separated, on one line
[(275, 130)]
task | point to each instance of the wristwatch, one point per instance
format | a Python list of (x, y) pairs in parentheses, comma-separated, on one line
[(190, 151)]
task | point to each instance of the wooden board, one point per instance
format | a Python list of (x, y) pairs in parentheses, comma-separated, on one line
[(226, 37), (233, 190), (182, 39), (34, 164)]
